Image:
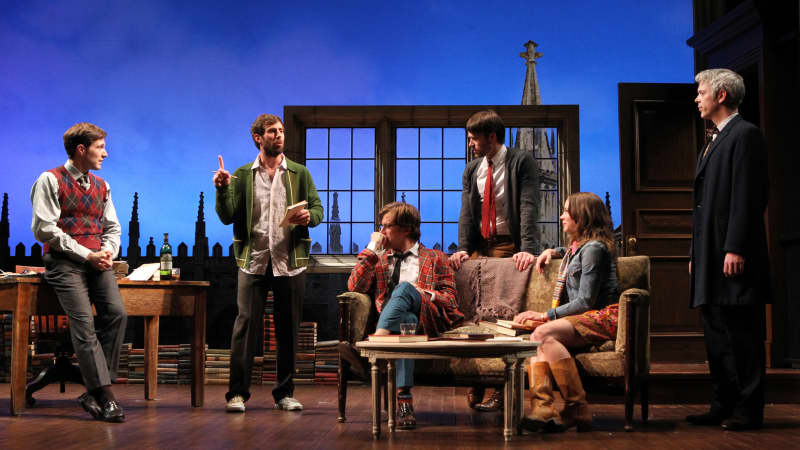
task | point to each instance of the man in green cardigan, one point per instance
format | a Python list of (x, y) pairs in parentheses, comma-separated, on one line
[(269, 256)]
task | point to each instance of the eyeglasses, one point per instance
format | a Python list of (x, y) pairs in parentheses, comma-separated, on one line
[(388, 225)]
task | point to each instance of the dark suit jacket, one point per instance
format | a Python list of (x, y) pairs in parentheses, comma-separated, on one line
[(522, 203), (730, 197)]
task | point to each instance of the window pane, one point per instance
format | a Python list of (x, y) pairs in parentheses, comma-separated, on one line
[(430, 142), (431, 235), (323, 198), (548, 235), (407, 174), (452, 206), (453, 173), (363, 142), (340, 143), (316, 143), (340, 202), (338, 233), (361, 232), (341, 174), (549, 209), (548, 174), (319, 239), (430, 208), (363, 209), (364, 171), (319, 172), (450, 238), (410, 197), (407, 146), (455, 143), (431, 174)]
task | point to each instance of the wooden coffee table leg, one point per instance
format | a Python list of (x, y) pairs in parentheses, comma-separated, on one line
[(519, 399), (199, 349), (376, 400), (392, 394), (150, 357), (509, 399)]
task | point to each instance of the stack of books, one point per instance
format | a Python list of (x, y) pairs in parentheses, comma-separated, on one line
[(509, 327), (270, 362), (326, 362), (167, 368), (185, 364), (5, 347), (122, 372), (258, 370), (306, 346), (218, 366), (136, 366)]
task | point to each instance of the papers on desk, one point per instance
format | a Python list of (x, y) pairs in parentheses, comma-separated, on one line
[(506, 339), (291, 211), (144, 272)]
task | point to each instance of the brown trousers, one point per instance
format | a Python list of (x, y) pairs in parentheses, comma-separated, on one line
[(500, 247)]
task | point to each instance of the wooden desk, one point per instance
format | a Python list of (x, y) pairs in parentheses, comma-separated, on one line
[(25, 297), (512, 353)]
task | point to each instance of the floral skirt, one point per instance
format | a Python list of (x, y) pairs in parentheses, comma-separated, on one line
[(596, 326)]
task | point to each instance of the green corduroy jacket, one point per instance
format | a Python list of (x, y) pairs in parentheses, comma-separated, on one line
[(235, 205)]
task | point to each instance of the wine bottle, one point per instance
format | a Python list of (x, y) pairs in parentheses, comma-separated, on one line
[(165, 272)]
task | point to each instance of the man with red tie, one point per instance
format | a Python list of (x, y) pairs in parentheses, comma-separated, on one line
[(410, 284), (499, 208)]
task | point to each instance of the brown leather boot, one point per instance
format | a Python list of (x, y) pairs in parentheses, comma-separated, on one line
[(543, 416), (475, 396), (576, 410)]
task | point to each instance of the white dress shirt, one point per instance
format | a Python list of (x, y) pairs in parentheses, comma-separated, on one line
[(47, 212), (499, 177), (724, 122), (268, 240)]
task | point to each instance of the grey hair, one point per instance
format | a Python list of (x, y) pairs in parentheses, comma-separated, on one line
[(726, 80)]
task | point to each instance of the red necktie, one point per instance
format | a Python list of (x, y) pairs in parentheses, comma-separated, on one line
[(488, 212)]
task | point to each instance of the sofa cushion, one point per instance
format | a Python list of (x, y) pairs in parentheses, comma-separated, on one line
[(601, 364)]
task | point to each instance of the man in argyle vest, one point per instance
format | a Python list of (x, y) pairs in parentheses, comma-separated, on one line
[(75, 219)]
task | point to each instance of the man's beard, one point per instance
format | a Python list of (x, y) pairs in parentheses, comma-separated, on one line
[(273, 151)]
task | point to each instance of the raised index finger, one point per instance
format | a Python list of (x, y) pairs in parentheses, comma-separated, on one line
[(221, 163)]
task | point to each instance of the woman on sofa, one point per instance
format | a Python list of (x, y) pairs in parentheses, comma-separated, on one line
[(583, 313)]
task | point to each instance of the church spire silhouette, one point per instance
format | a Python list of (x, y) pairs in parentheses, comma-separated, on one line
[(334, 229)]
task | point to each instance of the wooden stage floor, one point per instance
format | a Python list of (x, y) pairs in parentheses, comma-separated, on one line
[(444, 421)]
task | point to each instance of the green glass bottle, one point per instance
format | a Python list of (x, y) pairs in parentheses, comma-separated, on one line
[(165, 272)]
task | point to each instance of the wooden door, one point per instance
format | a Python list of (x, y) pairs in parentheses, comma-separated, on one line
[(660, 134)]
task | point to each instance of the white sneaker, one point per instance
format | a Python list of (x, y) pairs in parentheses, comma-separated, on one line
[(235, 404), (289, 404)]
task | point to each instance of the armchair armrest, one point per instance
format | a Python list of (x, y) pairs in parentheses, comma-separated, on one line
[(354, 315), (633, 330)]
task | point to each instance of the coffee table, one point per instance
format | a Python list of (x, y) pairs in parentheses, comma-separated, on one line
[(512, 353)]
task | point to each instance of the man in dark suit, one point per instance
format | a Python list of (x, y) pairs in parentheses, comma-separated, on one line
[(729, 261), (499, 208)]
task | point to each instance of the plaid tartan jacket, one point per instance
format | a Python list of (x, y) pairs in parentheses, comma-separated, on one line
[(371, 275)]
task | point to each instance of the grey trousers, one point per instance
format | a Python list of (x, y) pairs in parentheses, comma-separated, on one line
[(97, 341), (248, 330)]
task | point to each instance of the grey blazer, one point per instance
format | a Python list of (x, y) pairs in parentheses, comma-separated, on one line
[(591, 281), (522, 203)]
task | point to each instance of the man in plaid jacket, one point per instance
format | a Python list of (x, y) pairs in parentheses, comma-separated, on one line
[(411, 284)]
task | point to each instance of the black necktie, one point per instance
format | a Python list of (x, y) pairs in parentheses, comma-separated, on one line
[(396, 273)]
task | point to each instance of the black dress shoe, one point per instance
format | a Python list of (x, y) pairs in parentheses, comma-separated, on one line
[(406, 419), (495, 403), (711, 418), (475, 396), (741, 424), (90, 405), (112, 412)]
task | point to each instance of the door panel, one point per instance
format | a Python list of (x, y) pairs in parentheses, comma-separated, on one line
[(660, 133)]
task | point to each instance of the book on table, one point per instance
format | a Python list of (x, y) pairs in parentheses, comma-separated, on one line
[(509, 327), (464, 337), (397, 338)]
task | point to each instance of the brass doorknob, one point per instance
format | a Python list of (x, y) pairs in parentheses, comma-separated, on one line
[(632, 244)]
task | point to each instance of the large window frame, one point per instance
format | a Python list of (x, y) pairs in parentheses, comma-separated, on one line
[(387, 119)]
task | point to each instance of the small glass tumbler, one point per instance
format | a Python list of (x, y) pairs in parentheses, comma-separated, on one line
[(408, 328)]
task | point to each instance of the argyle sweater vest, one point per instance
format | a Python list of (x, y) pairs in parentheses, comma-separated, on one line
[(81, 210)]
